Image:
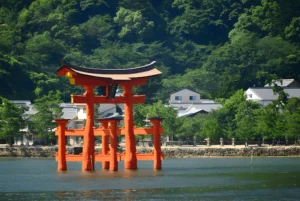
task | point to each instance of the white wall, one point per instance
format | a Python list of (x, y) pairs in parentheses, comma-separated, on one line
[(253, 97), (185, 96), (81, 111), (250, 95)]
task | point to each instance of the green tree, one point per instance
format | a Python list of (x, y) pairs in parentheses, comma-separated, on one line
[(246, 120), (48, 110), (11, 120), (225, 116), (133, 24), (210, 127), (292, 31), (292, 118), (266, 120), (158, 109)]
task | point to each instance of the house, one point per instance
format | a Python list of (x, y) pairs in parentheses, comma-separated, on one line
[(188, 103), (265, 95), (184, 96)]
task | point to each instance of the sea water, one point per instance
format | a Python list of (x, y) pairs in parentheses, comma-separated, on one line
[(180, 179)]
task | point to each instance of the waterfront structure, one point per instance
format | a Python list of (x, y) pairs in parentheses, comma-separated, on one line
[(109, 78)]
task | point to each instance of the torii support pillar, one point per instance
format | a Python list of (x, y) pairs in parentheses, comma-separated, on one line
[(61, 155), (156, 138), (113, 145), (105, 164), (88, 152), (130, 155)]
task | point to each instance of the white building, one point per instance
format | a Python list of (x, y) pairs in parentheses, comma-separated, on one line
[(188, 103), (265, 95)]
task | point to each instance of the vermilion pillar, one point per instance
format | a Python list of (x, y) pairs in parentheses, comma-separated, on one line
[(88, 151), (156, 138), (62, 164), (105, 164), (130, 157), (113, 145)]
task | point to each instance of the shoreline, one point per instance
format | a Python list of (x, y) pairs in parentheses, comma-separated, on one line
[(201, 151)]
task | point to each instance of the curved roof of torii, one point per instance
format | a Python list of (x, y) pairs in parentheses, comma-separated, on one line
[(115, 74)]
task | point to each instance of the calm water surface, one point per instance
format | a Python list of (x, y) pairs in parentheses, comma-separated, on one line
[(180, 179)]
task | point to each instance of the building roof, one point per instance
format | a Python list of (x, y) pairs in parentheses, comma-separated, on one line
[(115, 116), (180, 106), (283, 83), (21, 102), (206, 107), (266, 93), (27, 113), (69, 110), (114, 74), (31, 111), (184, 89), (183, 106)]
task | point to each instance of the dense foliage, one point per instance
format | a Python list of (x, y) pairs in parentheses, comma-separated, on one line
[(238, 118), (216, 47), (11, 120)]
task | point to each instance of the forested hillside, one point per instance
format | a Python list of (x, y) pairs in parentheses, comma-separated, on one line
[(213, 46)]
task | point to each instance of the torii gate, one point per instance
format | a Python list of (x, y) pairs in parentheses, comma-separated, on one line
[(90, 78)]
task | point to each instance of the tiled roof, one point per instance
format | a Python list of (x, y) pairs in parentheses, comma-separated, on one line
[(21, 102), (266, 93), (181, 106), (206, 107), (184, 89), (69, 110)]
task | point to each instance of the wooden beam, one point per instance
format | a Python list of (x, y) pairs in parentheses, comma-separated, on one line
[(104, 158), (103, 99), (120, 99), (78, 99), (142, 157), (72, 132), (71, 157), (141, 131), (101, 132)]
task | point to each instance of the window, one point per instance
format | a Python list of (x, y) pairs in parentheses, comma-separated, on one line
[(192, 97), (250, 95), (178, 98)]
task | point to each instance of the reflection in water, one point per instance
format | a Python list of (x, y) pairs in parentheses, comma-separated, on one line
[(60, 196)]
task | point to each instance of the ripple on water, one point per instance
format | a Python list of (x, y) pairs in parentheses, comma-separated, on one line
[(180, 179)]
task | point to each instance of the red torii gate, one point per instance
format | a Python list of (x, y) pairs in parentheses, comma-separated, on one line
[(90, 78)]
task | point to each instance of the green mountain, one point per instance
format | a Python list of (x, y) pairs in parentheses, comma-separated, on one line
[(213, 46)]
